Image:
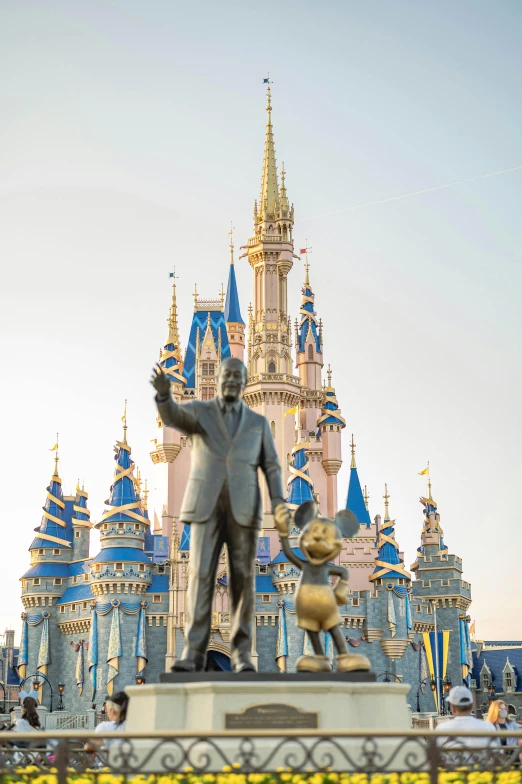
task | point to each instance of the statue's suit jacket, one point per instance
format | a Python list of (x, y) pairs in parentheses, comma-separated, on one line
[(216, 459)]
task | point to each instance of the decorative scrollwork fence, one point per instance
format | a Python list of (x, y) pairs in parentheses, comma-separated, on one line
[(70, 755)]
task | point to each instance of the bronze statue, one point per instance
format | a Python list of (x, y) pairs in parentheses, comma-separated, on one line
[(316, 601), (222, 502)]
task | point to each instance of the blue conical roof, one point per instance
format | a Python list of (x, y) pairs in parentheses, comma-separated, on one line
[(185, 538), (300, 486), (355, 501), (388, 562), (53, 528), (170, 359), (200, 320), (232, 311), (124, 502), (308, 320), (330, 410)]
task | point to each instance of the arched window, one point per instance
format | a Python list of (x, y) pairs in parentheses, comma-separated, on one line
[(271, 367), (310, 351), (272, 428)]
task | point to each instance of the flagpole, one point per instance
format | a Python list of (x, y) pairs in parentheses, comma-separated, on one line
[(437, 676)]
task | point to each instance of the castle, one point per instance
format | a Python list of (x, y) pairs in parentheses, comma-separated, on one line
[(97, 623)]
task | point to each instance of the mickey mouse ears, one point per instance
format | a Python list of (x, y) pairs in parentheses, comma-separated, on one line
[(347, 523), (305, 513)]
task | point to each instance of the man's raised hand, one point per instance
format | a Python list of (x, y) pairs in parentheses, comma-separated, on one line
[(160, 382)]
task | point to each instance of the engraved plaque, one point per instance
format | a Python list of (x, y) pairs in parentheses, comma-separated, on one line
[(272, 716)]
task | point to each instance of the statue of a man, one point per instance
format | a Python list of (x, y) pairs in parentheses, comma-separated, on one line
[(222, 502)]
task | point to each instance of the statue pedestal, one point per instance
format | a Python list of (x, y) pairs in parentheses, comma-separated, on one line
[(260, 709)]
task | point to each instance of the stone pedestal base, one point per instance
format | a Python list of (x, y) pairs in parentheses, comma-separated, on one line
[(229, 707)]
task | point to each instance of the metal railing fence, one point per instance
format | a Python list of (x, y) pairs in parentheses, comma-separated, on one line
[(184, 755)]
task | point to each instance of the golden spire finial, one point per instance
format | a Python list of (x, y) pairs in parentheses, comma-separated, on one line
[(386, 503), (195, 295), (269, 200), (124, 420), (231, 245), (55, 450), (429, 488), (222, 295), (352, 445), (173, 315), (366, 496), (138, 482), (329, 374)]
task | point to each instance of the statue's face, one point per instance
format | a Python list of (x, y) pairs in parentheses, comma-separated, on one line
[(320, 541), (231, 380)]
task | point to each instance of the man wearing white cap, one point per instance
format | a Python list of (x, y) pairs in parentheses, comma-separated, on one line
[(461, 703)]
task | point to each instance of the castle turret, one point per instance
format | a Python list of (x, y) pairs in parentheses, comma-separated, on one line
[(121, 565), (391, 581), (331, 424), (271, 384), (45, 582), (309, 348), (438, 581), (233, 318), (81, 525)]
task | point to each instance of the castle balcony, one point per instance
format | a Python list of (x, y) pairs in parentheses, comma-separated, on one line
[(106, 587), (274, 377)]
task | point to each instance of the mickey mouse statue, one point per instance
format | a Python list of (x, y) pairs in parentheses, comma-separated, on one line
[(316, 600)]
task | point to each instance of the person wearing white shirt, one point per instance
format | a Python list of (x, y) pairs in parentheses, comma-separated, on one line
[(460, 701), (116, 707)]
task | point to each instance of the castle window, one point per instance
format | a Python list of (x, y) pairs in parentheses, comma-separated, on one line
[(207, 393), (485, 681), (272, 428), (84, 606), (118, 567), (85, 578), (208, 368), (310, 351), (430, 609), (40, 552), (137, 526), (161, 570), (355, 602), (282, 567), (265, 598), (156, 599), (418, 608), (378, 582), (121, 526), (271, 367), (56, 552), (105, 526), (142, 567), (62, 609), (74, 580), (76, 534), (57, 581), (262, 570), (36, 581), (401, 580), (73, 608), (508, 681), (97, 567)]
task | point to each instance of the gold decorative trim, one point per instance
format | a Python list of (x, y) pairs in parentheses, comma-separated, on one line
[(165, 453), (394, 649), (78, 626), (372, 635)]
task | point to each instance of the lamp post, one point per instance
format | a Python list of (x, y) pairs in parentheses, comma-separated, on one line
[(2, 707), (61, 689), (438, 684), (36, 684)]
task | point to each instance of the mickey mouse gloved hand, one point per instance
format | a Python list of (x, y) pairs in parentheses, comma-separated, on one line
[(341, 592)]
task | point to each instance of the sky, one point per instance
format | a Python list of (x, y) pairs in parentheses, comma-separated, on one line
[(132, 134)]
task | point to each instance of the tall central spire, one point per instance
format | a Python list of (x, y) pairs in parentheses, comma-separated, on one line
[(269, 204)]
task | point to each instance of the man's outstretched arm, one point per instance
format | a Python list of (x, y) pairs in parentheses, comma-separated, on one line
[(172, 415)]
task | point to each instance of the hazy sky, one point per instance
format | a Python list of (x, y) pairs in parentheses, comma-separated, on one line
[(132, 134)]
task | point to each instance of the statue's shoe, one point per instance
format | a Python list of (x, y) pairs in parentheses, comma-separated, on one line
[(313, 664), (352, 662), (242, 663), (188, 665)]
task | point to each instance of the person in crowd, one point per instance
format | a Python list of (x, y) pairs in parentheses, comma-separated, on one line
[(498, 715), (116, 708), (30, 720), (460, 701)]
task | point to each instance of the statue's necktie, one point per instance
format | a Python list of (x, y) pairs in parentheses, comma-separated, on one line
[(230, 421)]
